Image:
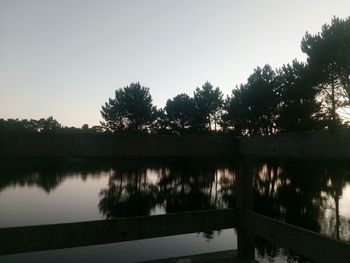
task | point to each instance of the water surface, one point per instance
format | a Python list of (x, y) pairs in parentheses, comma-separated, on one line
[(313, 195)]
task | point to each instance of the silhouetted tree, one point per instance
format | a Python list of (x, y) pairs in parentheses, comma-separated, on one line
[(14, 125), (298, 109), (329, 58), (48, 125), (208, 102), (180, 111), (131, 109), (24, 125), (263, 100), (160, 124), (252, 108), (236, 116)]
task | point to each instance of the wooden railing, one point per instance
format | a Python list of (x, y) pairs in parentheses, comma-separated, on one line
[(47, 237), (309, 244), (248, 224)]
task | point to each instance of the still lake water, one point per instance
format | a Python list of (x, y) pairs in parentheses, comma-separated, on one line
[(314, 195)]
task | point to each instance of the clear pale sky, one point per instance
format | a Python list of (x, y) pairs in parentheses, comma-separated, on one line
[(66, 57)]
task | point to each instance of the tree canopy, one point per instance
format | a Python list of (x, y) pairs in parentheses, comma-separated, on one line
[(208, 102), (252, 108), (329, 58), (180, 111), (42, 125), (48, 125), (130, 109), (298, 109)]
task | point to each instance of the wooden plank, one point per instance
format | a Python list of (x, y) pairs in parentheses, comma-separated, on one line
[(48, 237), (312, 245), (244, 202), (227, 256)]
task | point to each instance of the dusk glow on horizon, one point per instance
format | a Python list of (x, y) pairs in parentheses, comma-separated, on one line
[(66, 58)]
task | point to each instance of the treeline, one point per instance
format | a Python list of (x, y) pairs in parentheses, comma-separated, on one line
[(296, 97), (48, 125)]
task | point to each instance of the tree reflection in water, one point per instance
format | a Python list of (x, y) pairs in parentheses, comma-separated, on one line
[(48, 173), (139, 190), (310, 195), (129, 193), (302, 194)]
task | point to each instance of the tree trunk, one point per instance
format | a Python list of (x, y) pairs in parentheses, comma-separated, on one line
[(333, 110)]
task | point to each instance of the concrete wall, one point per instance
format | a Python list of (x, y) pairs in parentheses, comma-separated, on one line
[(30, 145), (311, 145)]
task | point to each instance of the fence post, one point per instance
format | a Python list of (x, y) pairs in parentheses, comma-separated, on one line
[(244, 202)]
